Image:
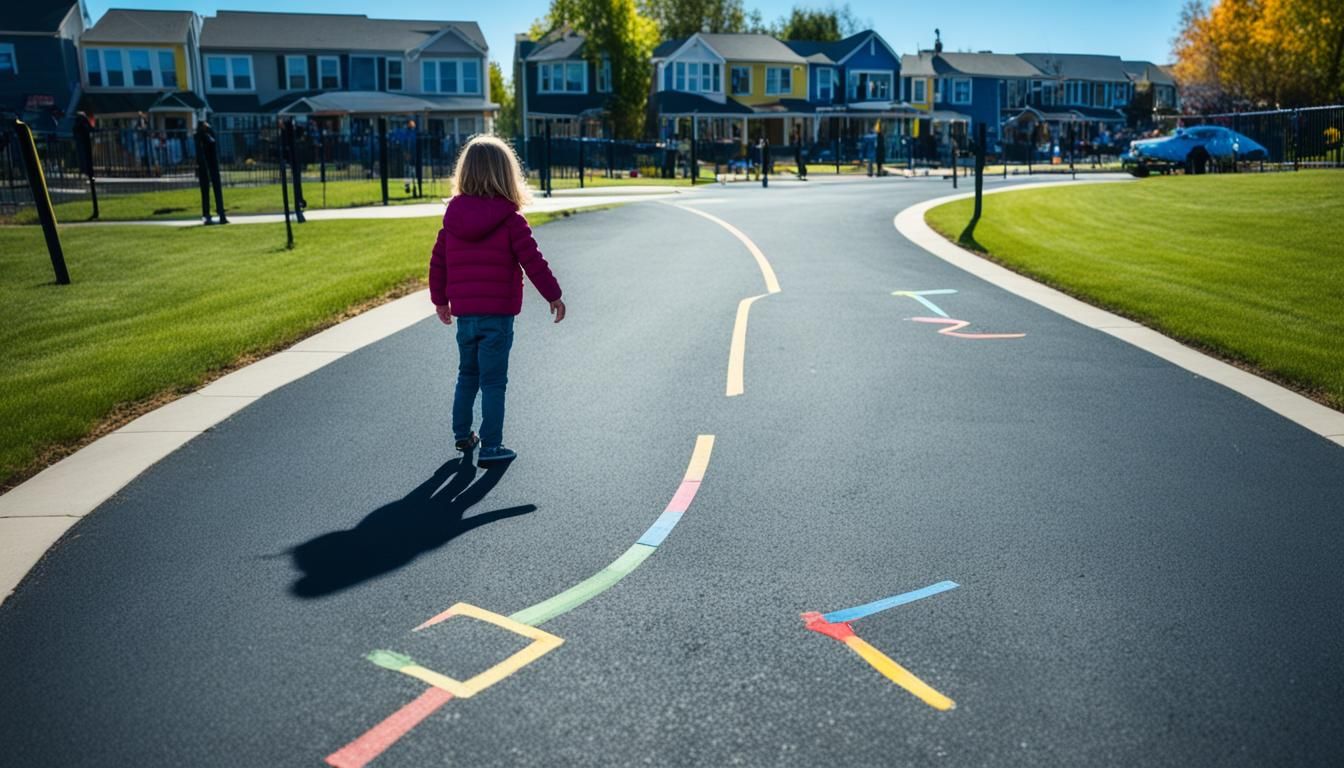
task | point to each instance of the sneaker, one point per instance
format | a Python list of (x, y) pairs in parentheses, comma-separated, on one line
[(495, 455), (467, 443), (209, 221)]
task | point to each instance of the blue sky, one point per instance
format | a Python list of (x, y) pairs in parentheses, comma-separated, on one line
[(1137, 29)]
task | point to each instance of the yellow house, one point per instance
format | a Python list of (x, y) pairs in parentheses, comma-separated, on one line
[(139, 69), (735, 87)]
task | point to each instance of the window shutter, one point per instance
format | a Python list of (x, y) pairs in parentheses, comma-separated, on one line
[(313, 82), (345, 71), (283, 79), (381, 64)]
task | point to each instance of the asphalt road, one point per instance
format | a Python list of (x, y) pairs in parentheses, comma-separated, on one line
[(1149, 564)]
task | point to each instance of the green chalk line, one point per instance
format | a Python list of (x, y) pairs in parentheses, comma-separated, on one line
[(585, 590), (391, 660)]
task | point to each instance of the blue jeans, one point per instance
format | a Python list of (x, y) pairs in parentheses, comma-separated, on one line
[(483, 343)]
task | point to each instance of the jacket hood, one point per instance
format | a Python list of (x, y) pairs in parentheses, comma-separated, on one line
[(473, 218)]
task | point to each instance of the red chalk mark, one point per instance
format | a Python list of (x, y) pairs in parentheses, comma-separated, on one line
[(838, 631), (685, 494), (377, 739), (953, 326)]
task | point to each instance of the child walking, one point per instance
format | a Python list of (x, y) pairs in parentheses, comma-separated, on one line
[(476, 275)]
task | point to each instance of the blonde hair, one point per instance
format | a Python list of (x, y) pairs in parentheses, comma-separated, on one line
[(488, 167)]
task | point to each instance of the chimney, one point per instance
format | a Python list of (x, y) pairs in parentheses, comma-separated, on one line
[(937, 41)]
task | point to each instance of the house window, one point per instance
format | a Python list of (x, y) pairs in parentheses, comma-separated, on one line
[(604, 76), (869, 86), (471, 76), (168, 69), (778, 81), (938, 91), (296, 73), (680, 68), (920, 88), (116, 76), (8, 64), (242, 73), (93, 66), (741, 81), (1121, 96), (576, 76), (825, 84), (543, 75), (961, 90), (328, 72), (229, 73), (464, 76), (363, 73), (142, 72), (395, 82)]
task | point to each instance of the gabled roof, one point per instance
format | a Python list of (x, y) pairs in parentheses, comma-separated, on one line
[(1148, 72), (839, 50), (567, 45), (738, 47), (337, 32), (930, 64), (123, 25), (668, 47), (751, 48), (1078, 66), (34, 15)]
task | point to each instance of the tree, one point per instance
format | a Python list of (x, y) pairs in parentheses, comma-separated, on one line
[(1260, 53), (828, 24), (501, 93), (683, 18), (615, 30)]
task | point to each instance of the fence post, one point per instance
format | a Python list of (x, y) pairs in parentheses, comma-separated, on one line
[(582, 132), (611, 157), (284, 193), (695, 139), (419, 169), (979, 167), (1297, 129), (954, 164), (37, 182), (382, 155), (836, 141)]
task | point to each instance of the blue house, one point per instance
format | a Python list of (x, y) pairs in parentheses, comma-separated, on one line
[(955, 92), (39, 60), (557, 81), (853, 86)]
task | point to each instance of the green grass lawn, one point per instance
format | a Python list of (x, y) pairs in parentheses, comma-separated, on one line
[(153, 311), (186, 203), (1247, 266)]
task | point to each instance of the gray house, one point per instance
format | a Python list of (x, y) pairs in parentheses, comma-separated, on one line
[(344, 71), (39, 60)]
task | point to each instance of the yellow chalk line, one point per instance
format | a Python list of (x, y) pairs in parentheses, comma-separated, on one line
[(898, 674)]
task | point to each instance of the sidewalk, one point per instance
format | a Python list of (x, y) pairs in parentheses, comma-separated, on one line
[(561, 200)]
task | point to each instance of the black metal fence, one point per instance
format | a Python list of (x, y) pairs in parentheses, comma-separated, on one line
[(1294, 138), (134, 161)]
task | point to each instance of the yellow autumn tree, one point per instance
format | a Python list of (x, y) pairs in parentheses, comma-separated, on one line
[(1261, 53)]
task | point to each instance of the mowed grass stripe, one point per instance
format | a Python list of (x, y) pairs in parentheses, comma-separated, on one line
[(1249, 266), (154, 311)]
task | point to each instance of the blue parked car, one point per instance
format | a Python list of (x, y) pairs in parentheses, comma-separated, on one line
[(1193, 149)]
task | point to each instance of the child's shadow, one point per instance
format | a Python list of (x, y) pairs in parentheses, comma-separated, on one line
[(396, 533)]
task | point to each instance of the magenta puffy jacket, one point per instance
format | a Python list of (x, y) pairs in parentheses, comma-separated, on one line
[(479, 259)]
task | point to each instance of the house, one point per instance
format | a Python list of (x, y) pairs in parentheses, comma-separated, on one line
[(955, 92), (141, 69), (39, 60), (342, 72), (1077, 95), (558, 81), (855, 88), (1150, 79), (736, 87)]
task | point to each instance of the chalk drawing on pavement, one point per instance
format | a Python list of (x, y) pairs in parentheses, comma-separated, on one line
[(953, 326), (836, 625)]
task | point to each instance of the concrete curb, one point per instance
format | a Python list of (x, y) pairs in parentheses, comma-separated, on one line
[(1315, 417)]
